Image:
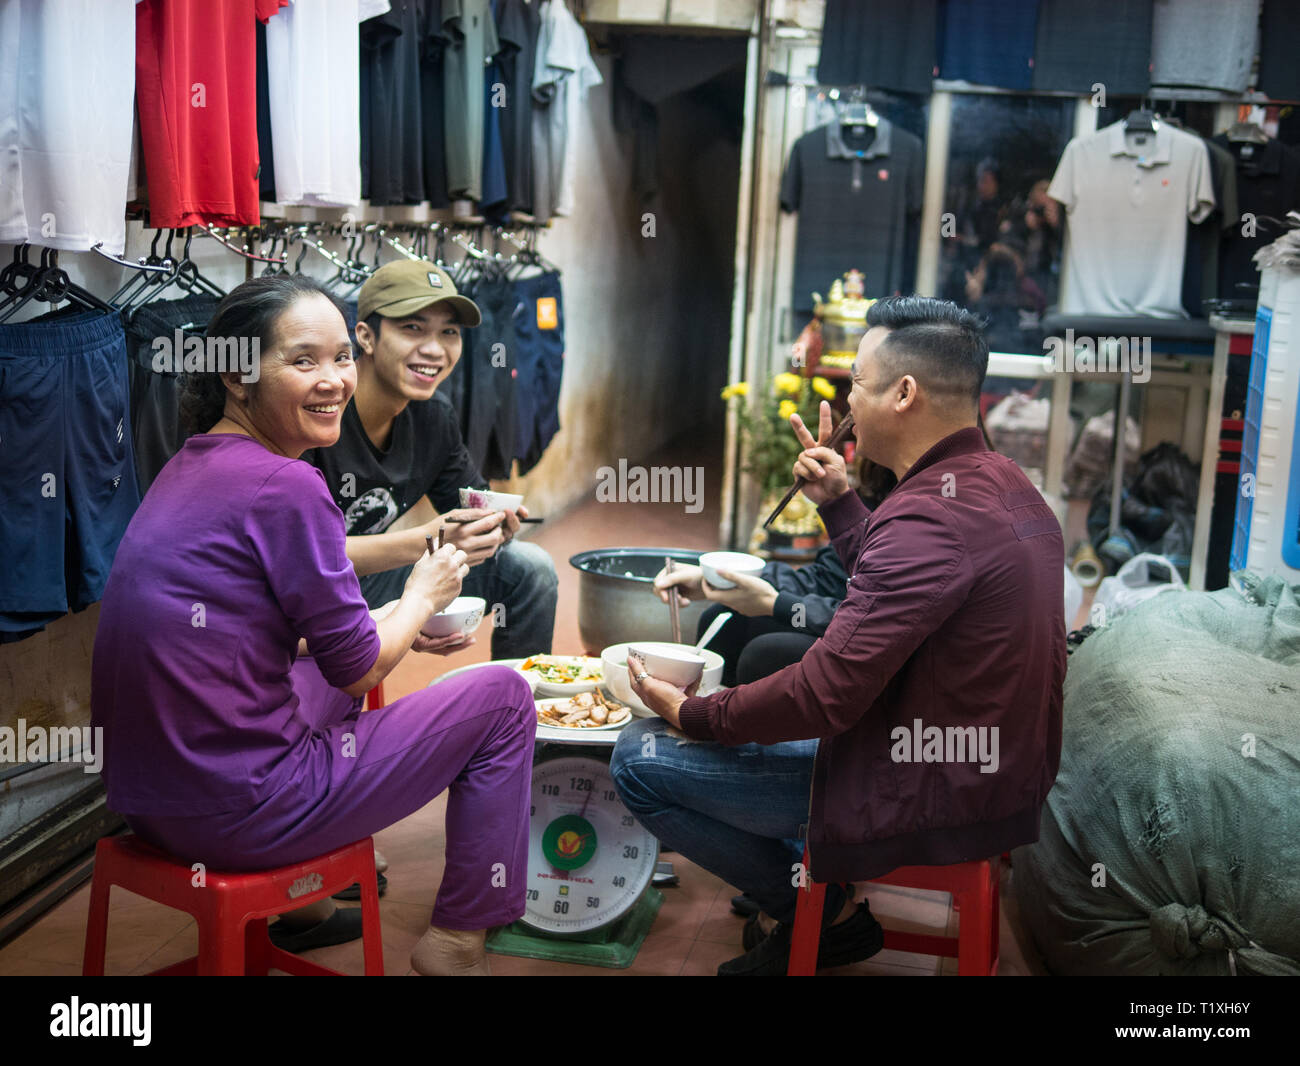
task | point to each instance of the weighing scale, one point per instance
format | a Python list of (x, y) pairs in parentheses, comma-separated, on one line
[(590, 862)]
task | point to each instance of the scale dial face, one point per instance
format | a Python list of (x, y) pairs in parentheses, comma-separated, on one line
[(588, 859)]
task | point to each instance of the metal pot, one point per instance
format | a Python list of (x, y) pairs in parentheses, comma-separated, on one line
[(616, 601)]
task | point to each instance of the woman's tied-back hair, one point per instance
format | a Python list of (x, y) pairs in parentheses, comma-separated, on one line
[(252, 310)]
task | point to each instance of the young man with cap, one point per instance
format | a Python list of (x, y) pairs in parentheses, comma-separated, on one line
[(399, 442)]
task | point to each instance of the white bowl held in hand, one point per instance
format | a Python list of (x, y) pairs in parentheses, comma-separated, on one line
[(614, 661), (463, 615), (736, 562), (483, 500), (677, 667)]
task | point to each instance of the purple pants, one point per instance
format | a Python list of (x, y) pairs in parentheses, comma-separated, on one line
[(472, 734)]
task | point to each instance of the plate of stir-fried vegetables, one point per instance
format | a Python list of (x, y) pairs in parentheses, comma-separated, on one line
[(562, 675)]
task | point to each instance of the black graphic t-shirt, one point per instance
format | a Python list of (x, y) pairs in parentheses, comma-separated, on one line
[(425, 457)]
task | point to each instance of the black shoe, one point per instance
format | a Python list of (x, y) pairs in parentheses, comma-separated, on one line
[(353, 892), (744, 905), (341, 927), (851, 941)]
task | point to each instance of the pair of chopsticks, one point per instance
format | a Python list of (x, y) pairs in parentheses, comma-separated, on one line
[(428, 541), (838, 437), (674, 612), (464, 521)]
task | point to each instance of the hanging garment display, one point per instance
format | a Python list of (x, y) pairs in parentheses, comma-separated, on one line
[(1268, 186), (471, 34), (539, 358), (518, 26), (65, 121), (1106, 43), (1279, 29), (196, 89), (1208, 44), (989, 42), (488, 367), (155, 389), (1129, 196), (69, 488), (887, 44), (265, 139), (563, 73), (1201, 264), (856, 188), (315, 121), (392, 124), (432, 127)]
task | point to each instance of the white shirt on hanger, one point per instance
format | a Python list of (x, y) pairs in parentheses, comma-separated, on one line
[(66, 106), (314, 74)]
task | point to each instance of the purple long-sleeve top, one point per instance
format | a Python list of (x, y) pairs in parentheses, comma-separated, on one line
[(233, 555)]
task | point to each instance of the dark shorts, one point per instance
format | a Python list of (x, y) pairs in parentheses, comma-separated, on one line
[(539, 359), (69, 487)]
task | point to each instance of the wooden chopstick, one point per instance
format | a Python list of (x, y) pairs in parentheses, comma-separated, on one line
[(463, 521), (674, 612), (841, 433)]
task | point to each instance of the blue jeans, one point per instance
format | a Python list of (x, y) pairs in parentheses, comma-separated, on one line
[(738, 812), (519, 585)]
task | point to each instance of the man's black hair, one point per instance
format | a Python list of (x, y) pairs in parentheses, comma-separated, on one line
[(939, 343)]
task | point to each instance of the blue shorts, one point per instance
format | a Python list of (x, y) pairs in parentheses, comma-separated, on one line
[(69, 484), (539, 358)]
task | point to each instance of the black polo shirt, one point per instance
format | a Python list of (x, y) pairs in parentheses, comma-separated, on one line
[(854, 207), (1268, 184)]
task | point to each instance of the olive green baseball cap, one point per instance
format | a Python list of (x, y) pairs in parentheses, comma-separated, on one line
[(408, 286)]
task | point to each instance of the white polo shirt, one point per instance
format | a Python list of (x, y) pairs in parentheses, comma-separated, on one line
[(1129, 204)]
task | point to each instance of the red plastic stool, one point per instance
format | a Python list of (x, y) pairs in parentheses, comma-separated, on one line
[(232, 908), (974, 889)]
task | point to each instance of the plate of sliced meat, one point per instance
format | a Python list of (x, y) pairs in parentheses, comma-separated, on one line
[(585, 712)]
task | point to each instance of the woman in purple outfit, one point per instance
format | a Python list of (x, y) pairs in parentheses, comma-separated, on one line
[(222, 746)]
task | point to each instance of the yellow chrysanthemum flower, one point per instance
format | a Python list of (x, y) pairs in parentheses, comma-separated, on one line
[(787, 383), (787, 408), (740, 388), (823, 388)]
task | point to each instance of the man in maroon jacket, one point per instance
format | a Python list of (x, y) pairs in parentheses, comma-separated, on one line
[(924, 727)]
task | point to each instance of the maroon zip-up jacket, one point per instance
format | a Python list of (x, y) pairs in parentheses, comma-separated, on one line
[(936, 690)]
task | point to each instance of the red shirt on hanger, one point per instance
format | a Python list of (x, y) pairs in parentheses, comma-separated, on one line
[(196, 89)]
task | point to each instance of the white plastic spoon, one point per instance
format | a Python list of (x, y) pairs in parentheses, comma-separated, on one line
[(712, 631)]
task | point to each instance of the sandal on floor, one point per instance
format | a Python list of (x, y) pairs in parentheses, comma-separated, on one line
[(341, 927), (353, 892)]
